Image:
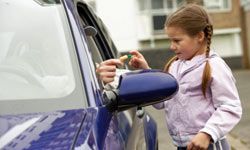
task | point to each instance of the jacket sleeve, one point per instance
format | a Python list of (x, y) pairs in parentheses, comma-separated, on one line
[(225, 99)]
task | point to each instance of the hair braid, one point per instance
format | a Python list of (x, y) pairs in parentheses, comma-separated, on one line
[(166, 68), (208, 33), (207, 70)]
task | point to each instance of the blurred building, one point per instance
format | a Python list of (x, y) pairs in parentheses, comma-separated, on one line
[(245, 13), (138, 24)]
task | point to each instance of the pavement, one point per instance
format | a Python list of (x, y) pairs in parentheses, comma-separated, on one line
[(239, 137)]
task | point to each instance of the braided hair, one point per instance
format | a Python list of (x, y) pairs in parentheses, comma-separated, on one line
[(206, 76), (193, 18)]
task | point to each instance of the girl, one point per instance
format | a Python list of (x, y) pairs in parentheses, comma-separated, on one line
[(207, 105)]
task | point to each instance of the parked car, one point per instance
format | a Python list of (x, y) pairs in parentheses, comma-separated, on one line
[(50, 95)]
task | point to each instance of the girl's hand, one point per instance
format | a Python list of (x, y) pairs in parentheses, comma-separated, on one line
[(199, 142), (138, 61), (107, 69)]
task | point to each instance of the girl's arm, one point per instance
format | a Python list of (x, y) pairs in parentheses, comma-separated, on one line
[(225, 99)]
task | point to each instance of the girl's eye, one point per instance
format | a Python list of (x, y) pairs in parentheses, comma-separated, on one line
[(176, 41)]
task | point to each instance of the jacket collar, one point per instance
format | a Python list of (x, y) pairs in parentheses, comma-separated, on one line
[(195, 62)]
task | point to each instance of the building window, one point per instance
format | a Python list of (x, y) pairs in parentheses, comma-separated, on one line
[(158, 22), (157, 4), (217, 5), (157, 11)]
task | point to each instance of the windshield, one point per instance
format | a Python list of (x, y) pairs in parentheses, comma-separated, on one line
[(34, 57)]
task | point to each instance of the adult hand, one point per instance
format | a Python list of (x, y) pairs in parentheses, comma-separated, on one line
[(107, 69), (138, 61), (199, 142)]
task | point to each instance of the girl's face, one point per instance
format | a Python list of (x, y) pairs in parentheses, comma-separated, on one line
[(185, 46)]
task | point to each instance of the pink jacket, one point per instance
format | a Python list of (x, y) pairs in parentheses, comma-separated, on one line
[(188, 112)]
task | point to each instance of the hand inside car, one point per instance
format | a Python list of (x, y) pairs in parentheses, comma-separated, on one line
[(107, 69)]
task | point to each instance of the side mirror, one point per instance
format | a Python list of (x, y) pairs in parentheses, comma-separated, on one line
[(142, 88)]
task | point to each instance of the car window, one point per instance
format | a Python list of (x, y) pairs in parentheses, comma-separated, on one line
[(98, 48), (34, 63), (37, 54), (104, 42)]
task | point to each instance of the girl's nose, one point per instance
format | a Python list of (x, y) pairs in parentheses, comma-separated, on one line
[(172, 46)]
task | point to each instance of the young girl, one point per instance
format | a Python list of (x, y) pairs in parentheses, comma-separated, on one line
[(207, 105)]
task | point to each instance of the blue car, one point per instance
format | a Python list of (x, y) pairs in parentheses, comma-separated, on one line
[(50, 95)]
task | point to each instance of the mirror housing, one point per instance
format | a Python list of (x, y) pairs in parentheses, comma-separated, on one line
[(142, 88)]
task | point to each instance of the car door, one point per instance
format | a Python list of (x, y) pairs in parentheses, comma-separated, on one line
[(43, 100), (48, 81), (126, 130)]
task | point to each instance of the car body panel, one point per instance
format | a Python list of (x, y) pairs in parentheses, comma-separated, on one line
[(49, 130), (90, 125)]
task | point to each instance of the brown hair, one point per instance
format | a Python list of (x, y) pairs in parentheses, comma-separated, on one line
[(193, 19)]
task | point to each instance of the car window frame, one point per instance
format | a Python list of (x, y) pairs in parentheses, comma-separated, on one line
[(102, 46)]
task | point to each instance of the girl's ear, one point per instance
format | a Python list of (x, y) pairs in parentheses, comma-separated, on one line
[(201, 36)]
